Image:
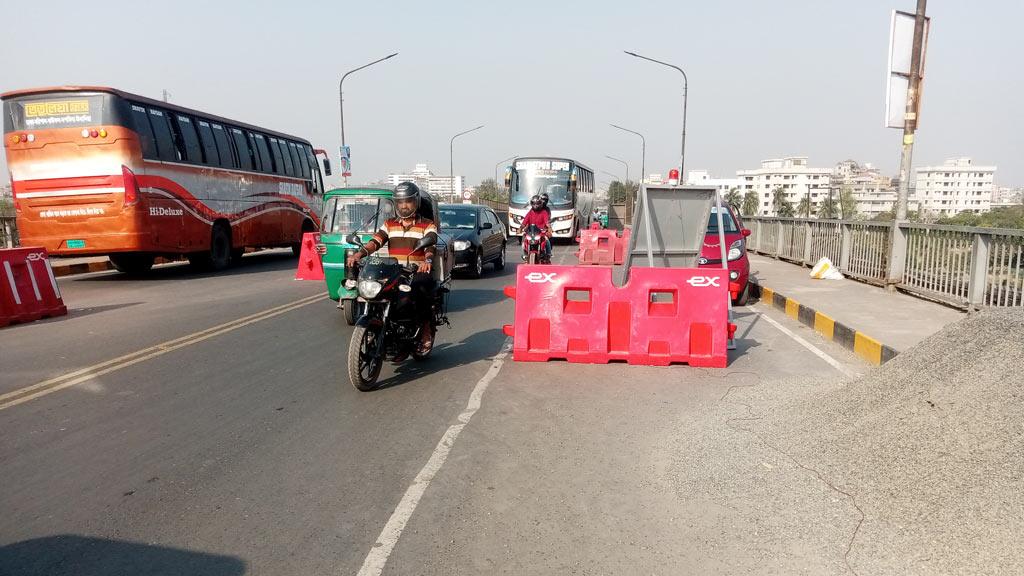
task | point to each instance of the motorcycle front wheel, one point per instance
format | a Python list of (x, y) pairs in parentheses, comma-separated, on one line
[(364, 359), (533, 258)]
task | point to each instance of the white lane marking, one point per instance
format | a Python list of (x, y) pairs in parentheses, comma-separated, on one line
[(381, 550), (817, 351)]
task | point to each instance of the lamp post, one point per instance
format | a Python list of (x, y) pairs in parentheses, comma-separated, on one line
[(451, 155), (341, 101), (623, 162), (643, 165), (500, 162), (682, 152)]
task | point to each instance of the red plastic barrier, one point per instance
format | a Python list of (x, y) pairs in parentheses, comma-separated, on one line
[(597, 246), (662, 316), (310, 266), (595, 225), (619, 256), (28, 289)]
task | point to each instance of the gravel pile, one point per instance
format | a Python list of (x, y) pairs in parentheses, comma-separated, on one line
[(931, 447)]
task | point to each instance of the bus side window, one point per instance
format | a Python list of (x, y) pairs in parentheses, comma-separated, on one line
[(227, 159), (164, 139), (245, 159), (265, 160), (256, 162), (209, 146), (145, 132), (189, 139), (318, 181), (301, 168), (275, 150)]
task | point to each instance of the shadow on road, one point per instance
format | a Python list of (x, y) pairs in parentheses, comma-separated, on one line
[(476, 347), (68, 554), (467, 298), (257, 262)]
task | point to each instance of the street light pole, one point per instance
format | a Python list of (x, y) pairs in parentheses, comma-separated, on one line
[(451, 155), (643, 166), (500, 162), (623, 162), (686, 83), (341, 101)]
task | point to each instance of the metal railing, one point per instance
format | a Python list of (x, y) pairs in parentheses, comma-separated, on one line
[(958, 265), (8, 232)]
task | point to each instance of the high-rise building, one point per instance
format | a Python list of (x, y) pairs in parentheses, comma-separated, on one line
[(956, 186), (792, 176), (704, 178), (439, 186), (874, 193)]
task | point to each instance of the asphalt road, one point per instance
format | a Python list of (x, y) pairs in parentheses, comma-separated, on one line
[(244, 450)]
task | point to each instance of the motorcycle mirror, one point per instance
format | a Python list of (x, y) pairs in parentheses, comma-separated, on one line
[(426, 241), (354, 239)]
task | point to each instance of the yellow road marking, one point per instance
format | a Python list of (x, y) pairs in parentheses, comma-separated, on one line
[(63, 381), (824, 325), (867, 348), (792, 308)]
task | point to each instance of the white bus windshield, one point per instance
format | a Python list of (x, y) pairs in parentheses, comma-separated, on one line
[(535, 177)]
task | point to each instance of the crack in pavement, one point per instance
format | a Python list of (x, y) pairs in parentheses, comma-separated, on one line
[(729, 422)]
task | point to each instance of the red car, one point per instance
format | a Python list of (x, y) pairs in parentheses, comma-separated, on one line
[(736, 249)]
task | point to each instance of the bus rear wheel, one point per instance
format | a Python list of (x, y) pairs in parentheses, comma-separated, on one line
[(132, 263), (219, 255)]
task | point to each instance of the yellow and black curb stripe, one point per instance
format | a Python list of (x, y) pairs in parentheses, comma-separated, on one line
[(858, 342)]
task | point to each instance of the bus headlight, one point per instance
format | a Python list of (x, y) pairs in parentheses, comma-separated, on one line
[(736, 250), (565, 218), (369, 289)]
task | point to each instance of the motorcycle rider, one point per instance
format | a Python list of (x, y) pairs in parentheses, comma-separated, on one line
[(401, 234), (540, 217)]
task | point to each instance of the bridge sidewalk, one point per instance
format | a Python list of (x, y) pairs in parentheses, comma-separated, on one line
[(874, 323)]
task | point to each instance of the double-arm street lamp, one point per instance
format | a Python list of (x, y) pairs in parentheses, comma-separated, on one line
[(682, 151)]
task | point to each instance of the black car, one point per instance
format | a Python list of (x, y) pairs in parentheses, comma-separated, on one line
[(479, 237)]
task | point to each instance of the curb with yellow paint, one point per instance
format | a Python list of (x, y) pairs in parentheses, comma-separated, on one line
[(857, 342)]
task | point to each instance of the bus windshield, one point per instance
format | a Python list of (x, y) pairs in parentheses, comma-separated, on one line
[(344, 215), (549, 177)]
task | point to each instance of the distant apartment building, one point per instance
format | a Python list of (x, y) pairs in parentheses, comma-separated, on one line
[(704, 178), (956, 186), (792, 175), (1003, 196), (874, 193), (440, 186)]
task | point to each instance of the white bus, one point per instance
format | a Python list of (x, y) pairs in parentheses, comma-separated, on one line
[(568, 184)]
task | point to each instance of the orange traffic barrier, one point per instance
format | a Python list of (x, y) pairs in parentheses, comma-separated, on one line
[(310, 266), (28, 289)]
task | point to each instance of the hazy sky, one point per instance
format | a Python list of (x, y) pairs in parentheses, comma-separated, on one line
[(767, 78)]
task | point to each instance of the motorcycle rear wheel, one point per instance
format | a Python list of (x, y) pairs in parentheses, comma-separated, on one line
[(363, 365)]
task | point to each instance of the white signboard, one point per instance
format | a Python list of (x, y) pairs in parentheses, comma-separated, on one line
[(901, 47)]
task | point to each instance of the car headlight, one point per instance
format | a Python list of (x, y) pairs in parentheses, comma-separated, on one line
[(736, 250), (462, 244), (369, 289)]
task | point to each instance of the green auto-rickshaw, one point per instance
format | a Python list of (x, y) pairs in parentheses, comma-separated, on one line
[(348, 210)]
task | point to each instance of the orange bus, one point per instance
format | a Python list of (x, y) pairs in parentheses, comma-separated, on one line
[(98, 171)]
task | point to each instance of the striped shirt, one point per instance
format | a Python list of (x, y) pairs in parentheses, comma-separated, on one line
[(401, 237)]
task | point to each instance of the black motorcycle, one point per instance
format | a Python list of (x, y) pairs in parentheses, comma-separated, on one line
[(389, 327)]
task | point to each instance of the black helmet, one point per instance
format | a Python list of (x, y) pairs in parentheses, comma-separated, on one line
[(407, 191), (544, 198), (536, 202)]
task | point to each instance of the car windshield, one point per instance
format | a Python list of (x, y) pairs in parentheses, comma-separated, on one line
[(727, 222), (345, 215), (458, 219)]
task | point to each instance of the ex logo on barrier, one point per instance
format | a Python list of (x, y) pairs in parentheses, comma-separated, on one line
[(703, 281), (540, 277), (36, 256)]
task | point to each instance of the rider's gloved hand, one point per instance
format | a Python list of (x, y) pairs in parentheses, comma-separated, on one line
[(425, 267)]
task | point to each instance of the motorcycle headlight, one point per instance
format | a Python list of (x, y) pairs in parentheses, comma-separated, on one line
[(369, 289), (462, 244), (735, 250)]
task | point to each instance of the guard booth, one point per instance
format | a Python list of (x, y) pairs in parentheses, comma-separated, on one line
[(669, 226)]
